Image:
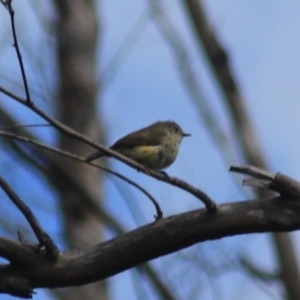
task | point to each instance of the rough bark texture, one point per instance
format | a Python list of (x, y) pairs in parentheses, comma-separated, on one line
[(29, 269), (77, 32)]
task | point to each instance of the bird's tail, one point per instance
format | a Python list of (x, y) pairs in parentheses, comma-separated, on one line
[(94, 156)]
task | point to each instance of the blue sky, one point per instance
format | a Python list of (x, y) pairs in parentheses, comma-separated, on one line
[(263, 45)]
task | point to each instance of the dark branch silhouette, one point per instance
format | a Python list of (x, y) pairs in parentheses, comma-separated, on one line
[(14, 136), (209, 203), (41, 235), (37, 269)]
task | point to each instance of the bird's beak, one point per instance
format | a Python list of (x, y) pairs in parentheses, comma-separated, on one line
[(185, 134)]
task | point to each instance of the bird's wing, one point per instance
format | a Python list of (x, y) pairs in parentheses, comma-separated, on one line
[(137, 138)]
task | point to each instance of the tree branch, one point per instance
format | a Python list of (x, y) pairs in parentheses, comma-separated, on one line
[(209, 203), (157, 239), (165, 236), (8, 5), (42, 236), (14, 136), (82, 192)]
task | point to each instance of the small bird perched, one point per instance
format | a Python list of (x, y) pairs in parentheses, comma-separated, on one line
[(156, 146)]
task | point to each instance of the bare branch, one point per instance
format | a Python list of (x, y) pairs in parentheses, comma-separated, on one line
[(42, 236), (8, 5), (159, 213), (92, 204), (16, 126), (209, 203), (157, 239)]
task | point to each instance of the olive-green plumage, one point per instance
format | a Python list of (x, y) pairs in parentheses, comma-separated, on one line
[(155, 146)]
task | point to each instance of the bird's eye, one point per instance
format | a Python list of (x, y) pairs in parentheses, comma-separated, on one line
[(176, 129)]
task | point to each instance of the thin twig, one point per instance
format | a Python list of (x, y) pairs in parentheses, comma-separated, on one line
[(209, 203), (43, 238), (159, 213), (8, 5), (24, 126)]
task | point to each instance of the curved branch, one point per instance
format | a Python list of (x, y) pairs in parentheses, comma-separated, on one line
[(159, 212), (43, 238), (151, 241), (157, 239), (82, 191), (209, 203)]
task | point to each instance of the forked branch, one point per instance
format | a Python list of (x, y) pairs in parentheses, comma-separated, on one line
[(165, 236)]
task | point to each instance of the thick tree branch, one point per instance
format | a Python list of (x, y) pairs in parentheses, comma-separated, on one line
[(165, 236), (157, 239), (81, 190)]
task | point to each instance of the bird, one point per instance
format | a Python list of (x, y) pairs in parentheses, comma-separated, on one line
[(155, 146)]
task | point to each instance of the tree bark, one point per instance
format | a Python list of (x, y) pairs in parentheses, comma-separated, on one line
[(30, 269), (77, 33)]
